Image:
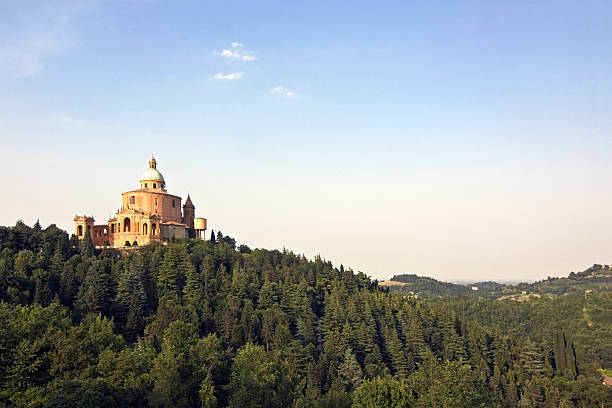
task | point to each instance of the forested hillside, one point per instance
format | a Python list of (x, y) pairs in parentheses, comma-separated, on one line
[(597, 278), (588, 317), (425, 287), (206, 324)]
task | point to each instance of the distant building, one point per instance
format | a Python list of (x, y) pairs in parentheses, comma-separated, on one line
[(474, 288), (148, 214)]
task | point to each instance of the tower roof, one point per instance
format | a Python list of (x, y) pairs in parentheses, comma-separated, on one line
[(188, 202)]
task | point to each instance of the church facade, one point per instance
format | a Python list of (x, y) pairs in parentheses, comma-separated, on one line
[(148, 214)]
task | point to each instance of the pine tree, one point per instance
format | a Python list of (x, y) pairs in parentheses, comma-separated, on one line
[(454, 348), (173, 270), (400, 363), (193, 287), (69, 285), (531, 359), (350, 372), (86, 245), (96, 294), (130, 285), (134, 324), (413, 335)]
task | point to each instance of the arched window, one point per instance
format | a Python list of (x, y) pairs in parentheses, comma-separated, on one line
[(126, 225), (137, 227), (153, 229), (145, 228), (112, 228), (173, 204), (146, 185), (154, 185), (80, 230)]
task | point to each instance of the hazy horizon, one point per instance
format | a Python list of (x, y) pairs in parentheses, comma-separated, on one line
[(458, 141)]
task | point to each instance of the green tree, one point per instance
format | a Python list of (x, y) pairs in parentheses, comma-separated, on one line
[(385, 392), (350, 372), (257, 379)]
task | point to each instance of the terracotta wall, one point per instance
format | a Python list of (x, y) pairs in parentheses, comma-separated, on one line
[(146, 202)]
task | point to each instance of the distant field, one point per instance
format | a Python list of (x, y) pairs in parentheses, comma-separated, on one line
[(392, 283)]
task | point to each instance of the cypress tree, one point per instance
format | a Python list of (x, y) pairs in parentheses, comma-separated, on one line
[(564, 354)]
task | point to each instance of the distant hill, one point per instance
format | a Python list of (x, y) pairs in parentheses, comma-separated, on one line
[(425, 287), (597, 278)]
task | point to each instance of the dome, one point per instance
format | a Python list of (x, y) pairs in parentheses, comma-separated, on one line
[(152, 174)]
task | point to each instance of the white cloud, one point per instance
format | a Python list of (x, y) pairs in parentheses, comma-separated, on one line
[(282, 91), (228, 77), (237, 53)]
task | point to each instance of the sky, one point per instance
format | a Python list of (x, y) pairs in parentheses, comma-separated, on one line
[(465, 140)]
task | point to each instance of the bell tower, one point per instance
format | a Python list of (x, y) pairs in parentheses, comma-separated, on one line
[(188, 212), (83, 225)]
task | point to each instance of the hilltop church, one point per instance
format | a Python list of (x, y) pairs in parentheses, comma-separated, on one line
[(148, 214)]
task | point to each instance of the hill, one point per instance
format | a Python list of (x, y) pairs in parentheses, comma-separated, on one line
[(597, 278), (425, 287), (206, 324)]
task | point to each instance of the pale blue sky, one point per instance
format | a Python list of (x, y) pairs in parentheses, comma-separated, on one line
[(461, 140)]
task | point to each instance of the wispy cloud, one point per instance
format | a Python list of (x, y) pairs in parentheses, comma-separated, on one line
[(228, 77), (237, 52), (282, 91), (67, 120), (31, 32)]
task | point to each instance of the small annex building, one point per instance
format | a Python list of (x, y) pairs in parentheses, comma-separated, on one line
[(148, 214)]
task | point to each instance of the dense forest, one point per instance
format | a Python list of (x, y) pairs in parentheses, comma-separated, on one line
[(580, 303), (210, 324)]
